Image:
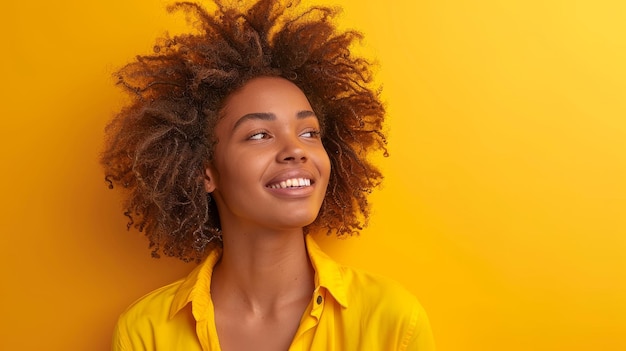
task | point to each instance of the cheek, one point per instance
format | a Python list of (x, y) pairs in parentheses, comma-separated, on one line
[(324, 164), (243, 169)]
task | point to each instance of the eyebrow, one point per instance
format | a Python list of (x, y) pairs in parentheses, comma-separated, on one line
[(268, 116)]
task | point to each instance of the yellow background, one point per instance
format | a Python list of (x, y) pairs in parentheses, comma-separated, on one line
[(504, 208)]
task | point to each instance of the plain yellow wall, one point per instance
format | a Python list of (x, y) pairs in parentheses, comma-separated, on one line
[(504, 208)]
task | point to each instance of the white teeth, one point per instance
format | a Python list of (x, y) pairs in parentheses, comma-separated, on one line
[(291, 183)]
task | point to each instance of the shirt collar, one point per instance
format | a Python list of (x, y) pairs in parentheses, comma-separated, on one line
[(328, 273), (196, 288)]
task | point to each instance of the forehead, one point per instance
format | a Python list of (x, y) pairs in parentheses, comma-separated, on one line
[(265, 95)]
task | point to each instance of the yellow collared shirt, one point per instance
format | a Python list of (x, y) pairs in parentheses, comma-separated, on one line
[(349, 310)]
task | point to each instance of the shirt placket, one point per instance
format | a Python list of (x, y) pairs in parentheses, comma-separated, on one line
[(309, 322)]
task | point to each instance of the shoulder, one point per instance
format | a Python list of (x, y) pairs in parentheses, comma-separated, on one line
[(361, 291), (377, 292), (137, 326), (348, 284), (154, 305), (391, 310), (378, 309)]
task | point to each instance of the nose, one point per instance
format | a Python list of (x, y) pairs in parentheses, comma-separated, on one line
[(291, 150)]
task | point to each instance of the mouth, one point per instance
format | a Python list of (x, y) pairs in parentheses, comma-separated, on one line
[(291, 183)]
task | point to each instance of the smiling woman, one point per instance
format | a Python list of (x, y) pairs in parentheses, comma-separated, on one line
[(239, 141)]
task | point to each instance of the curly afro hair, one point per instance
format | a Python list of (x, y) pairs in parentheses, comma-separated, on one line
[(158, 145)]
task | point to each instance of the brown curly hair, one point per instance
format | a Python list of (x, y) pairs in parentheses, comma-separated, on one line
[(158, 145)]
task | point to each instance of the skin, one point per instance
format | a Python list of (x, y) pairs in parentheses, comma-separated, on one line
[(268, 136)]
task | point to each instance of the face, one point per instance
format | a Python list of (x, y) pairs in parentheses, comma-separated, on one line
[(270, 169)]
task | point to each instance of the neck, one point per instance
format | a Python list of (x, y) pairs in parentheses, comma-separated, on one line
[(265, 270)]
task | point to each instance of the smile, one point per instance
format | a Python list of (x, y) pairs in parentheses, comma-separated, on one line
[(291, 183)]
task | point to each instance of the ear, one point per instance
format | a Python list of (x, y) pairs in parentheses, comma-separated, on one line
[(209, 178)]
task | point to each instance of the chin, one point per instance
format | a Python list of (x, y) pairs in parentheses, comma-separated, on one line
[(296, 222)]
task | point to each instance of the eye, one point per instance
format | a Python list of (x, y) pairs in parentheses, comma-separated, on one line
[(258, 136), (311, 134)]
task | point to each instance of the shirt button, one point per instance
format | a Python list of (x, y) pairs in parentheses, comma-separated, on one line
[(319, 299)]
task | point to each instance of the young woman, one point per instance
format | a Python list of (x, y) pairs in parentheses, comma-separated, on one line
[(239, 141)]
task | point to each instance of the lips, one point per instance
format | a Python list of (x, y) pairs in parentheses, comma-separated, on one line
[(291, 183)]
